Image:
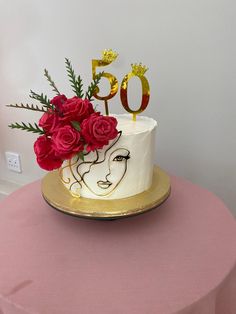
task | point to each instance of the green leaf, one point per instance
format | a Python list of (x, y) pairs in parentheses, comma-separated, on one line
[(28, 107), (51, 82), (76, 125), (27, 128), (81, 155), (95, 108), (93, 86), (43, 99), (76, 82)]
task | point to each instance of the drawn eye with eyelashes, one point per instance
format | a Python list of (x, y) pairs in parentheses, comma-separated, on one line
[(121, 158)]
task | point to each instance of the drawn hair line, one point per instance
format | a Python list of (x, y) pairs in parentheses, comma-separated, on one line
[(97, 158), (96, 161)]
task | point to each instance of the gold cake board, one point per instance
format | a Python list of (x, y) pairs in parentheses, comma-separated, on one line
[(56, 195)]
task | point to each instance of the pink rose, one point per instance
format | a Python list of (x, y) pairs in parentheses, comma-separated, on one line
[(98, 130), (76, 109), (66, 142), (45, 154), (58, 101), (49, 122)]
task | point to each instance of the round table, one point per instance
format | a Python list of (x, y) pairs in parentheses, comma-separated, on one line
[(178, 258)]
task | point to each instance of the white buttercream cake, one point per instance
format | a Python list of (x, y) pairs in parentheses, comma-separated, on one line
[(121, 169)]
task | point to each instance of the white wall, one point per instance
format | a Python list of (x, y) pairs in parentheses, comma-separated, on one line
[(189, 47)]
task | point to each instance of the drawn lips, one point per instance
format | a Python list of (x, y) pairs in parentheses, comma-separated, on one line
[(104, 184)]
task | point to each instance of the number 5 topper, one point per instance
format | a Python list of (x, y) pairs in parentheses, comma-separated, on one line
[(108, 56)]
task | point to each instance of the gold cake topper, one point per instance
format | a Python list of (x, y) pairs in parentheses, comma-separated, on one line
[(108, 55), (138, 69)]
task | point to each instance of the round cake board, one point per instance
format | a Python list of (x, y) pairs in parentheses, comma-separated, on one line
[(57, 196)]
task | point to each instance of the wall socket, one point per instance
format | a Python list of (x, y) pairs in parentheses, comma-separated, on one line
[(13, 161)]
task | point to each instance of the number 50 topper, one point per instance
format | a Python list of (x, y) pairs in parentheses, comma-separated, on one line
[(137, 70)]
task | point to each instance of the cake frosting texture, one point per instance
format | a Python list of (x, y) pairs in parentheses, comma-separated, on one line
[(121, 169)]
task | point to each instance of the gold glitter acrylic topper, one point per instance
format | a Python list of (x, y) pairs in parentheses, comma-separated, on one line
[(108, 56), (137, 70)]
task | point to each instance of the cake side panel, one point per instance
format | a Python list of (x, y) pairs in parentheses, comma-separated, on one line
[(121, 169)]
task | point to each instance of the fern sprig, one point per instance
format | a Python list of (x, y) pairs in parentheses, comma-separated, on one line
[(93, 86), (28, 107), (76, 82), (43, 99), (80, 87), (27, 128), (51, 82)]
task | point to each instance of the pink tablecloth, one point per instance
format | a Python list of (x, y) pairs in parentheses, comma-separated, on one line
[(179, 258)]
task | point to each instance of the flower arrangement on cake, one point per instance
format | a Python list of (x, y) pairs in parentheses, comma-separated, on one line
[(69, 126)]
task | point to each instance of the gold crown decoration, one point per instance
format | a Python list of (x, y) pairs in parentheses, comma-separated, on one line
[(108, 55), (138, 69)]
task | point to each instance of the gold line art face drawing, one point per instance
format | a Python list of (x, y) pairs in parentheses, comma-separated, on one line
[(114, 168), (110, 166)]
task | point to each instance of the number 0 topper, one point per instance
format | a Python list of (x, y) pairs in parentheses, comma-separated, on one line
[(139, 71)]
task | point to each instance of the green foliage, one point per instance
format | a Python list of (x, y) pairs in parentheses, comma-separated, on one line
[(28, 107), (77, 86), (43, 99), (27, 128), (96, 108), (76, 125), (76, 82), (81, 155), (93, 86), (51, 82)]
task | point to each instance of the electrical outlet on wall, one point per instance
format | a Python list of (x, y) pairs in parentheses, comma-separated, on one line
[(13, 161)]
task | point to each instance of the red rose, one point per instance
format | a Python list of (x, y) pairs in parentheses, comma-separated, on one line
[(45, 154), (49, 122), (67, 142), (98, 130), (58, 101), (76, 109)]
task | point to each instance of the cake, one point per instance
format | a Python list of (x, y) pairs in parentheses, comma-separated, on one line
[(97, 155), (121, 169)]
